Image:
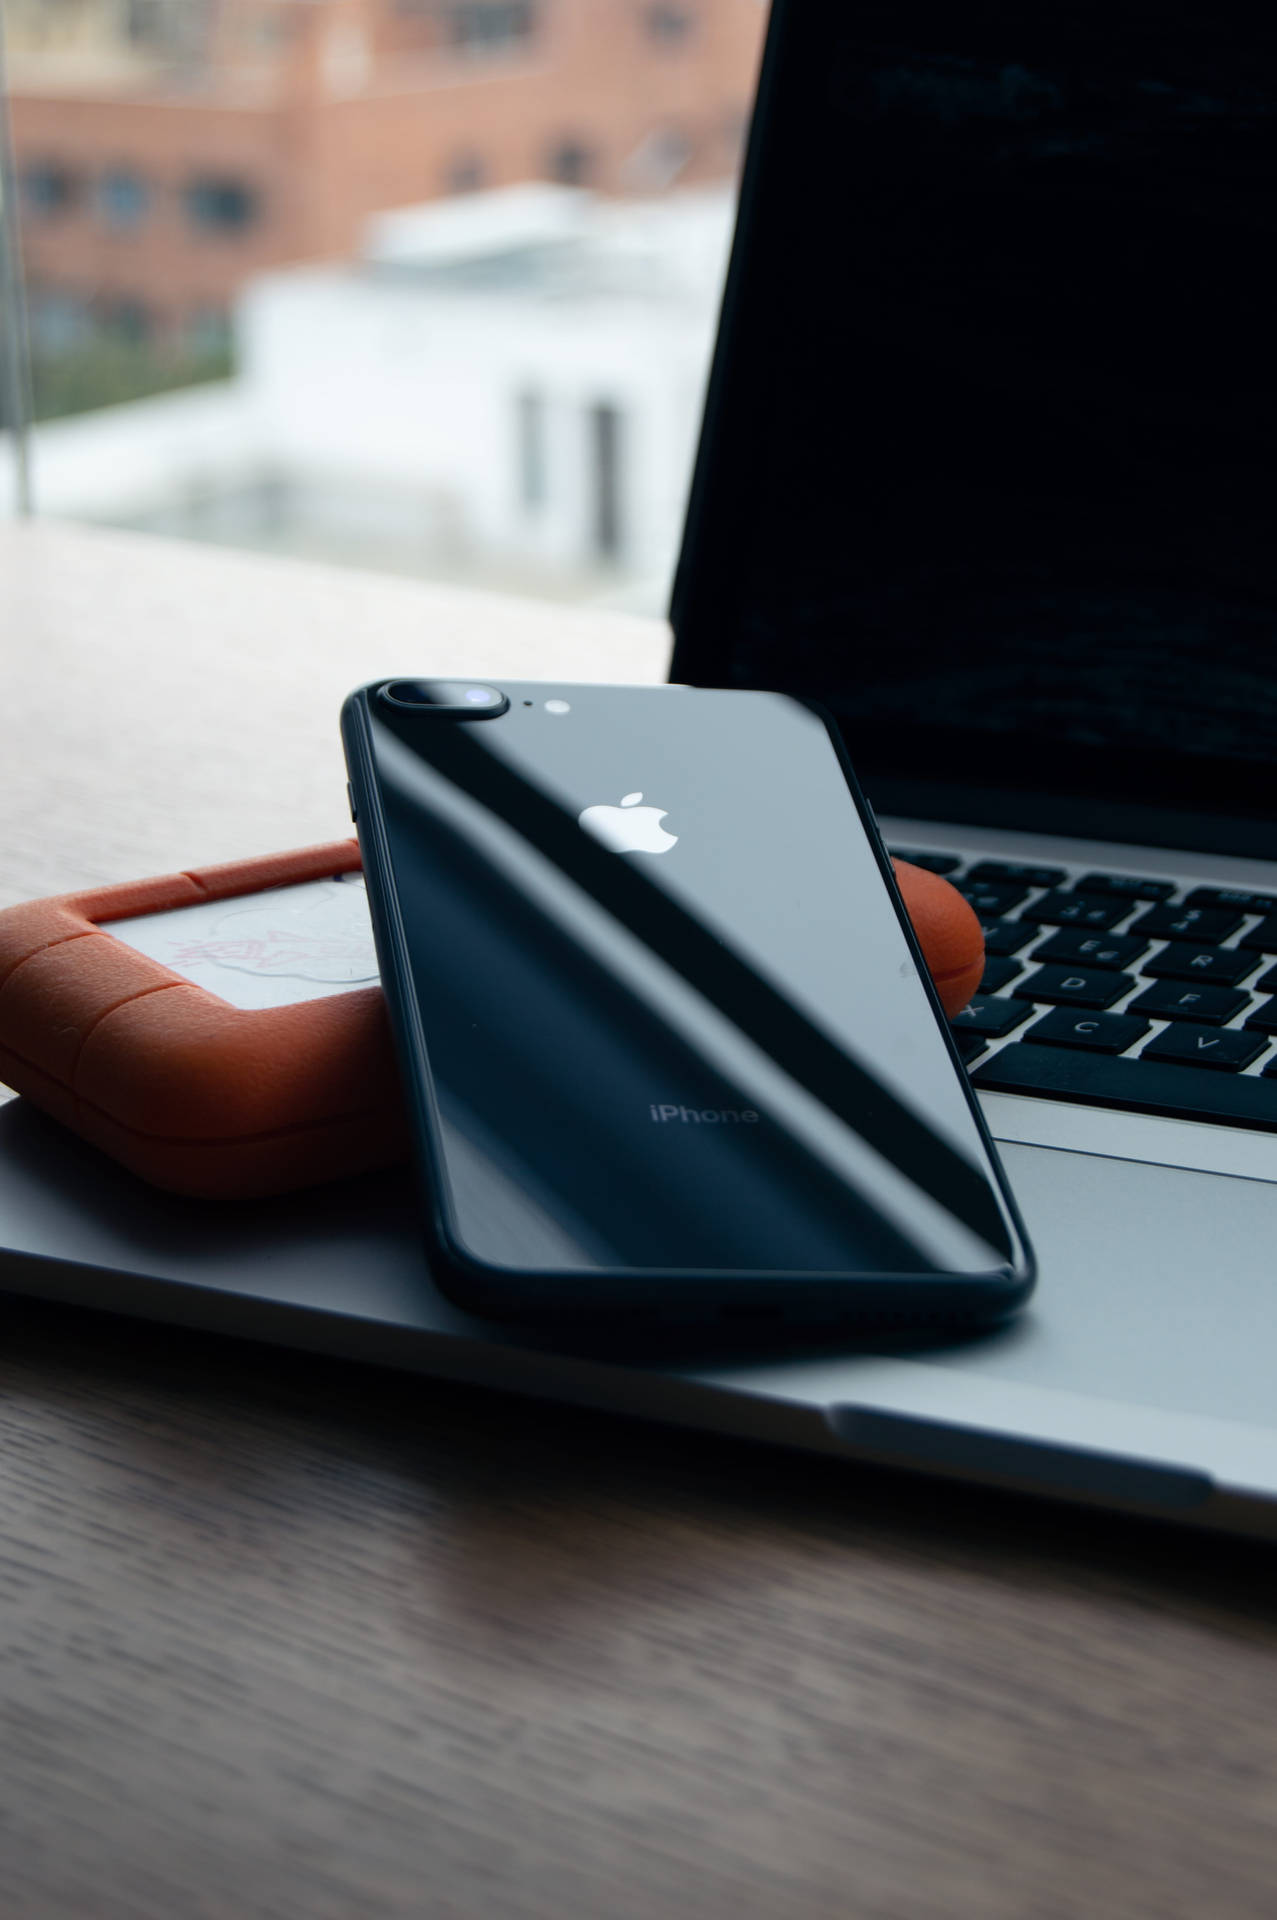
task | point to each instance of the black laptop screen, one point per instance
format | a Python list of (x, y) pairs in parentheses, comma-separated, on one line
[(989, 454)]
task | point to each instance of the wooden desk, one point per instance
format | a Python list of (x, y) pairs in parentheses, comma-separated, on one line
[(286, 1638)]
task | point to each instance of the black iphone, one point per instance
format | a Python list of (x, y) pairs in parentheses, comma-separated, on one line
[(668, 1042)]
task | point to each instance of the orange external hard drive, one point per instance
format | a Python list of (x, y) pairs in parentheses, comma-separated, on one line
[(222, 1033)]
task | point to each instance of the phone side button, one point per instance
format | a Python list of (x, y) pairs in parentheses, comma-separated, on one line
[(351, 798)]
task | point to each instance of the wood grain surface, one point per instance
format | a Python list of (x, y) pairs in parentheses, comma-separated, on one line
[(284, 1638)]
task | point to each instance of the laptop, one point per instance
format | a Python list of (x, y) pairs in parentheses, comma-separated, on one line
[(986, 467)]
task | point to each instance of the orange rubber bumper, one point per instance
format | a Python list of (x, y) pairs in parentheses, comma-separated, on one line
[(207, 1099)]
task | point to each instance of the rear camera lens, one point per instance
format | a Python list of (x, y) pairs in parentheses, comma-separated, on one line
[(455, 698)]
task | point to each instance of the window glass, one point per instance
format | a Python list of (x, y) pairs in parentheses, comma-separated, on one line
[(47, 189), (671, 24), (533, 476), (127, 320), (123, 197), (606, 441), (491, 24), (466, 173), (571, 161), (218, 203), (428, 285)]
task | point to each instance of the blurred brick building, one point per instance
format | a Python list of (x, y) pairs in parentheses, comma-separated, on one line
[(167, 150)]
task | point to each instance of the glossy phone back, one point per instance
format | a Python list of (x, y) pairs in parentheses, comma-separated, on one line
[(667, 1039)]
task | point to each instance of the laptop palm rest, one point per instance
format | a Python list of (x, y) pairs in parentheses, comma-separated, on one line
[(1153, 1394)]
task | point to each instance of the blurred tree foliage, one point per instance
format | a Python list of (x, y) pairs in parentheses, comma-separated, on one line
[(103, 372)]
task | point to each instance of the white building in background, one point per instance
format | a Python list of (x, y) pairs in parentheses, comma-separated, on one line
[(504, 388)]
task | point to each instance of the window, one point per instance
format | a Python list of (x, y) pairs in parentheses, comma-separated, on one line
[(48, 189), (605, 461), (571, 163), (123, 198), (669, 25), (125, 320), (145, 22), (530, 415), (490, 26), (221, 205), (466, 174)]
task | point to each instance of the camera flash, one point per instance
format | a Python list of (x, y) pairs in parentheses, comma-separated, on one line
[(558, 706)]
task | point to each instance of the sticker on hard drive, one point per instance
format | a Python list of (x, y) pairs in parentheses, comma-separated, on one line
[(268, 949)]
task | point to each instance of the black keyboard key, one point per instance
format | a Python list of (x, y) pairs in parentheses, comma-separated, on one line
[(1224, 1049), (997, 973), (1008, 936), (933, 862), (1139, 1086), (991, 1017), (1226, 966), (1262, 938), (1076, 910), (1266, 983), (1128, 885), (970, 1046), (1090, 949), (1239, 898), (991, 902), (1263, 1019), (1093, 1032), (1075, 986), (1009, 873), (1181, 1000), (1207, 924)]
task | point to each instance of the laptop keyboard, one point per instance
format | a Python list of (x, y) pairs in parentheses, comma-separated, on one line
[(1120, 991)]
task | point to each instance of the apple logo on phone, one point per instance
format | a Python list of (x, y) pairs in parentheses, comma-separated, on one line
[(628, 828)]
